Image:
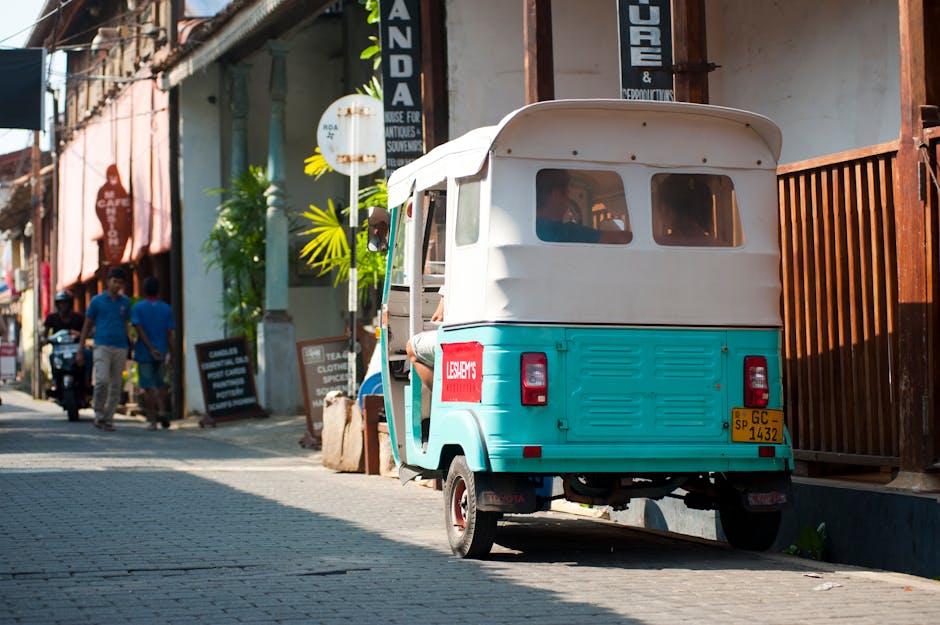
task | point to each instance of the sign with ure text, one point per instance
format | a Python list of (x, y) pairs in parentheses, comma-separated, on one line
[(645, 50), (401, 80)]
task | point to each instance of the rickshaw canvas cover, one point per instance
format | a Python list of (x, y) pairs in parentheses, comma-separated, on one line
[(462, 373)]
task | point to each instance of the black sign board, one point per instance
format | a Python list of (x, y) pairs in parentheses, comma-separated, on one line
[(646, 50), (228, 382), (401, 81), (324, 367), (24, 88)]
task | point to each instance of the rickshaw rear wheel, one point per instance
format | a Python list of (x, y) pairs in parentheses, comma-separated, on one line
[(470, 532), (745, 529)]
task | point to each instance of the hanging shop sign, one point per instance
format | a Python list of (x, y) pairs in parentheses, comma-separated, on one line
[(22, 73), (646, 50), (401, 78), (113, 207)]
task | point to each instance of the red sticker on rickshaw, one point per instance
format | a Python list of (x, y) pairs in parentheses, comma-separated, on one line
[(462, 374)]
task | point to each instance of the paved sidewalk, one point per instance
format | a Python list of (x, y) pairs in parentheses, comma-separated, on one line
[(239, 524)]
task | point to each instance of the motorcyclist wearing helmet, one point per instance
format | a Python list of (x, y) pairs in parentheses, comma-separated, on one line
[(64, 317)]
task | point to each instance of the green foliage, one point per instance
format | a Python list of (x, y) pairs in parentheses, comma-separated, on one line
[(328, 248), (373, 51), (811, 543), (372, 6), (236, 245), (372, 88), (316, 164)]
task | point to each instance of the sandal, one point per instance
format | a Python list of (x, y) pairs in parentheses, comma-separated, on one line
[(101, 425)]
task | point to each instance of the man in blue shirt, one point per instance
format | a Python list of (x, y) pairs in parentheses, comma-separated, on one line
[(153, 320), (108, 313), (554, 207)]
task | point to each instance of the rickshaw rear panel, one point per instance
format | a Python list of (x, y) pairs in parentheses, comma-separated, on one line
[(619, 400)]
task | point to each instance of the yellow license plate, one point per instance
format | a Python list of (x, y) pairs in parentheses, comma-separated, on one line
[(756, 425)]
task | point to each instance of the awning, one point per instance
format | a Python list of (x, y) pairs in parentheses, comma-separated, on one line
[(231, 33), (132, 133)]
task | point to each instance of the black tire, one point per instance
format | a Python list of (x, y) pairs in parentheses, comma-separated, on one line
[(754, 531), (471, 533), (69, 403)]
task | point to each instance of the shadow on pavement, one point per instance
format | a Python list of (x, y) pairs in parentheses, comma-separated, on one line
[(586, 542), (123, 544)]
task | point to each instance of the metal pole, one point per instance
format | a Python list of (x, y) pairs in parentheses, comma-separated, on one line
[(353, 229), (37, 262)]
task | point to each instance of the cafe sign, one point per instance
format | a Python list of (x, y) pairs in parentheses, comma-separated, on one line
[(113, 206)]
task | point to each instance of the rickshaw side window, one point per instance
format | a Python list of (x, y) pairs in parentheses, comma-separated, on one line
[(434, 235), (397, 248), (468, 212), (695, 210), (581, 206)]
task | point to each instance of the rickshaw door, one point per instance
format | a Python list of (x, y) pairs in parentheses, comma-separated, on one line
[(400, 300)]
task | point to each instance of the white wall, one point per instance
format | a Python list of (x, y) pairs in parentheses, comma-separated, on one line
[(485, 56), (826, 72), (200, 169)]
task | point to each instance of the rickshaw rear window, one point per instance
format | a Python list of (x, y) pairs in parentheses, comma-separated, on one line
[(468, 212), (581, 206), (695, 210)]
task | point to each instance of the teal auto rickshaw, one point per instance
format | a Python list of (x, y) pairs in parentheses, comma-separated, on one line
[(611, 327)]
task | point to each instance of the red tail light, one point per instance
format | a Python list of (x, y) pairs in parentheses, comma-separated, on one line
[(534, 379), (756, 388)]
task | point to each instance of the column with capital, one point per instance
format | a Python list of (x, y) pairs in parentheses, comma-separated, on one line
[(277, 366)]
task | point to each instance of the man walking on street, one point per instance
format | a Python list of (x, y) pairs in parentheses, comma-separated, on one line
[(108, 313), (153, 320)]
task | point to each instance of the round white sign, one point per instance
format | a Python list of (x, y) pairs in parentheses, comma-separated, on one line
[(352, 130)]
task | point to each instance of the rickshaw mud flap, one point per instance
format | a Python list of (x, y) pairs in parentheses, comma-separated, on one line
[(760, 491), (504, 493), (407, 472)]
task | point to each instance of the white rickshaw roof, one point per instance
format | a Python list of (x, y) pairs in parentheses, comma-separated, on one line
[(466, 155)]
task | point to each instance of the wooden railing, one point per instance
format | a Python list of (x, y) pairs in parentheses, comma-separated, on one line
[(838, 268)]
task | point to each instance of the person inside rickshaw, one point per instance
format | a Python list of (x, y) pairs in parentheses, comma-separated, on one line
[(420, 347), (558, 217), (695, 210)]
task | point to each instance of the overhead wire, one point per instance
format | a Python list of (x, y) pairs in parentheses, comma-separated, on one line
[(62, 5)]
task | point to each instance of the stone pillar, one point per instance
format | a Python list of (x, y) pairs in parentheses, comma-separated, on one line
[(239, 77), (277, 363)]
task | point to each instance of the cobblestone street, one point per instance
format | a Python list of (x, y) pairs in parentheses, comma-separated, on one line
[(238, 524)]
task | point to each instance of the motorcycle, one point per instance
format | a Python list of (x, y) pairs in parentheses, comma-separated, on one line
[(68, 379)]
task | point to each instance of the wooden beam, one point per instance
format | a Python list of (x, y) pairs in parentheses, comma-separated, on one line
[(913, 378), (689, 51), (539, 55), (434, 73)]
